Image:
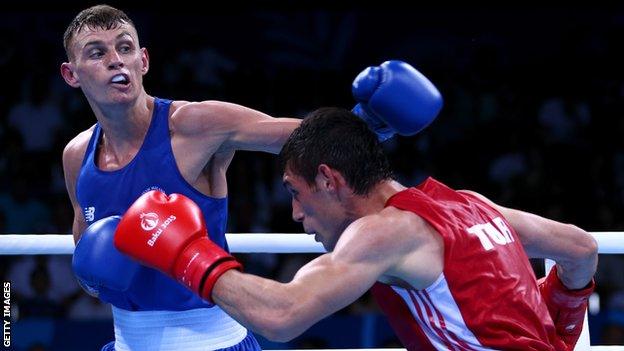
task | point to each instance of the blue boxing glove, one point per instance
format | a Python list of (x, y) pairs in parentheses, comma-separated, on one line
[(101, 269), (394, 98)]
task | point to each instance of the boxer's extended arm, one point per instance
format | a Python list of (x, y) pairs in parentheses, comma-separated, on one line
[(72, 160), (277, 311), (329, 283), (179, 248), (233, 127)]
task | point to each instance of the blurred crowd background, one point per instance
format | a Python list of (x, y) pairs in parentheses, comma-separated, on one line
[(533, 119)]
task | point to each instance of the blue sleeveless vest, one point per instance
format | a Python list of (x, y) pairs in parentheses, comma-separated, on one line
[(106, 193)]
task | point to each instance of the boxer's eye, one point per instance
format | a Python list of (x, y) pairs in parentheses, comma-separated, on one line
[(95, 54)]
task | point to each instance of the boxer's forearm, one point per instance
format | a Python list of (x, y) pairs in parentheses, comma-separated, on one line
[(246, 128), (574, 250), (323, 286), (578, 272), (266, 134), (267, 307), (577, 264)]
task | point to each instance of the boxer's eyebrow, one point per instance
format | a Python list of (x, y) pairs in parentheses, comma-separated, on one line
[(124, 33), (100, 42)]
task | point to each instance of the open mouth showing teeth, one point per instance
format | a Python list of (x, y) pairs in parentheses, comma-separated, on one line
[(120, 79)]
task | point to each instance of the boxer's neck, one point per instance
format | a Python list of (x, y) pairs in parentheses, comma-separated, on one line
[(375, 200), (126, 125), (124, 129)]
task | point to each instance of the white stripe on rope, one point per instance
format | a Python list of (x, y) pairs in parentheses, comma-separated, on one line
[(60, 244)]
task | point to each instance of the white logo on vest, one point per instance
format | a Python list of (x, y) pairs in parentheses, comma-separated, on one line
[(153, 187), (89, 213)]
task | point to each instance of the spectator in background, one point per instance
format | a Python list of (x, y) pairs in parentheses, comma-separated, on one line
[(30, 273), (23, 210), (39, 304), (36, 118)]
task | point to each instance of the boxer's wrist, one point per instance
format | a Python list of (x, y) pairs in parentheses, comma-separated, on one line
[(563, 296), (383, 131), (196, 262), (212, 276), (566, 307)]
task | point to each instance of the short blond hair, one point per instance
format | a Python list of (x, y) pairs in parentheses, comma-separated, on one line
[(95, 17)]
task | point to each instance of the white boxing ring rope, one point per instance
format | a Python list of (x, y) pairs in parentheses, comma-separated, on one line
[(63, 244), (593, 348), (60, 244)]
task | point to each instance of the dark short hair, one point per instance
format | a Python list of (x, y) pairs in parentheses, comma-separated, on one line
[(338, 138), (95, 17)]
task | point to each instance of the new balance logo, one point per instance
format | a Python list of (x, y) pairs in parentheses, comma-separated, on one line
[(495, 231), (89, 213)]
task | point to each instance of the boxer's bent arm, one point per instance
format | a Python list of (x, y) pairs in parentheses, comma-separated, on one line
[(72, 160), (574, 250), (329, 283), (238, 127)]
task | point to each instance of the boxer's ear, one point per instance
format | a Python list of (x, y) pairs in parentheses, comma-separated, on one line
[(145, 61), (329, 179), (69, 74)]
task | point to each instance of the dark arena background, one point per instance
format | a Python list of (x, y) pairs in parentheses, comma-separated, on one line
[(533, 118)]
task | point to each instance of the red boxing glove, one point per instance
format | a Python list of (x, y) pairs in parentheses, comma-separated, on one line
[(169, 233), (566, 307)]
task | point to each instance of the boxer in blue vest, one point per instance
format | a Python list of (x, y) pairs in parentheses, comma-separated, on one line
[(142, 143)]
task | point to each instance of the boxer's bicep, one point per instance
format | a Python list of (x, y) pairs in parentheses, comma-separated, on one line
[(72, 160), (78, 225)]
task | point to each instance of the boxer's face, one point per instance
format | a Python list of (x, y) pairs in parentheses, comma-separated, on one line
[(108, 65), (317, 208)]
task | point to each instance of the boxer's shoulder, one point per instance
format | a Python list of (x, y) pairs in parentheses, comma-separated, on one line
[(75, 151), (370, 234)]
